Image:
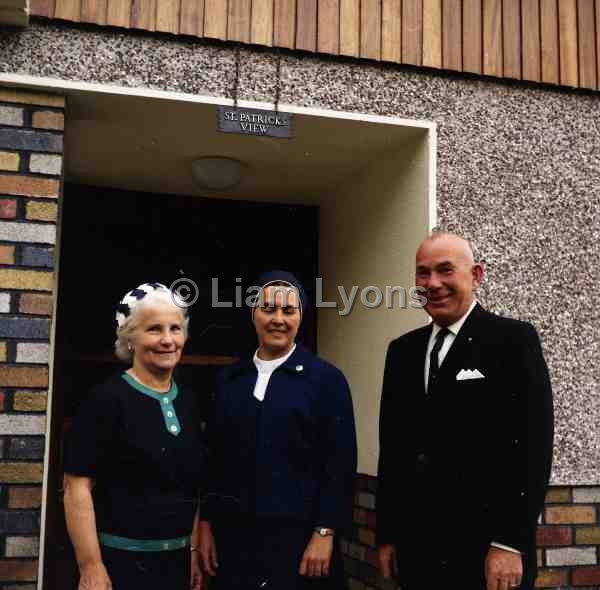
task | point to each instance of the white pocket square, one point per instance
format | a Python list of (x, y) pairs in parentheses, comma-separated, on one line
[(465, 374)]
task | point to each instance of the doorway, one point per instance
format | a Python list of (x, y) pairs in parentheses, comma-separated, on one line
[(371, 177), (112, 241)]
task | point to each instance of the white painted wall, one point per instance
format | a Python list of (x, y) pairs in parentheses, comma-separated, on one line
[(369, 231)]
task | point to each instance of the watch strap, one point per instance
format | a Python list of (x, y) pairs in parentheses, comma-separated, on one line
[(324, 531)]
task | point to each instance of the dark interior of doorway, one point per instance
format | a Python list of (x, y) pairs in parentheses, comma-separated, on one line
[(113, 240)]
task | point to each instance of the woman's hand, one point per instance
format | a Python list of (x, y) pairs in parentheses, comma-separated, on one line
[(196, 572), (81, 524), (317, 556), (94, 577), (207, 548)]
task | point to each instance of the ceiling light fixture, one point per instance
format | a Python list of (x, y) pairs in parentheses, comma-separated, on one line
[(217, 172)]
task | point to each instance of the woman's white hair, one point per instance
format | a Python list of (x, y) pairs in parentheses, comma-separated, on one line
[(127, 328)]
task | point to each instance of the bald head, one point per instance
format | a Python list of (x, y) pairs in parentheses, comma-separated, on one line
[(447, 272), (454, 243)]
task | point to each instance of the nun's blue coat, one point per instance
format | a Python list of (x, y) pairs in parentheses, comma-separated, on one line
[(293, 456)]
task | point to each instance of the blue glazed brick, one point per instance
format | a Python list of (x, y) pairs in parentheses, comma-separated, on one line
[(37, 141), (19, 522), (26, 447), (33, 256), (33, 328)]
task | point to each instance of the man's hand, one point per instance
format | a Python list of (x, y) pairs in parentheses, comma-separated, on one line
[(388, 566), (503, 569), (317, 556), (207, 548)]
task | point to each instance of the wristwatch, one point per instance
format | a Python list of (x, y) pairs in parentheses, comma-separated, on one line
[(324, 532)]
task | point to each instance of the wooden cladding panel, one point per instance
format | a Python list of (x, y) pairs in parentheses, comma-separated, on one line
[(350, 27), (192, 17), (215, 19), (472, 45), (412, 32), (261, 26), (284, 25), (391, 30), (118, 13), (143, 14), (567, 36), (44, 8), (550, 41), (432, 33), (452, 35), (306, 25), (370, 29), (328, 28), (68, 10), (167, 16), (531, 47), (238, 20), (492, 37), (511, 38), (587, 44), (598, 40), (94, 11), (549, 29)]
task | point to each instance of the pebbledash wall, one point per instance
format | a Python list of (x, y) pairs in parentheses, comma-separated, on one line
[(31, 145), (518, 173)]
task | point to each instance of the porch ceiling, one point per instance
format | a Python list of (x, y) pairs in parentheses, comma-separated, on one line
[(148, 144)]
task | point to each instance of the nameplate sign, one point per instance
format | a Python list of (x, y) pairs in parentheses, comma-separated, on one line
[(254, 122)]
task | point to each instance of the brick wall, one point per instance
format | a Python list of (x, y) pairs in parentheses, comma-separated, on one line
[(31, 145), (568, 539)]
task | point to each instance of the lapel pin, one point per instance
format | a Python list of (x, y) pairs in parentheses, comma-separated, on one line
[(299, 368)]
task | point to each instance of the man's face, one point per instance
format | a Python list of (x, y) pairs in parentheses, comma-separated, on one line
[(445, 269)]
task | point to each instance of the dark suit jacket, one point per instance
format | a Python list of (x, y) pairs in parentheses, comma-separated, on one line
[(467, 463), (293, 456)]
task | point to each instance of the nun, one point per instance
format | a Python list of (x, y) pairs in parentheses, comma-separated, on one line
[(282, 458)]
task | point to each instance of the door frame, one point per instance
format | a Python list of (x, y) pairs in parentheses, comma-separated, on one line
[(64, 87)]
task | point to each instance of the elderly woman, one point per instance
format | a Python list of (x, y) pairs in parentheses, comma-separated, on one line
[(283, 459), (135, 457)]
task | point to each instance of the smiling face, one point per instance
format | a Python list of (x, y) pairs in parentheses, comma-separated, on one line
[(276, 320), (158, 338), (445, 269)]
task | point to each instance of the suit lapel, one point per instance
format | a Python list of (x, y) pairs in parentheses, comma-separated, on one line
[(419, 349)]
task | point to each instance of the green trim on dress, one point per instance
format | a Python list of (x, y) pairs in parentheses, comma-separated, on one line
[(116, 542), (164, 399)]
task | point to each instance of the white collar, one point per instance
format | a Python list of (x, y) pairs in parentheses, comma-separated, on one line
[(269, 366), (457, 325)]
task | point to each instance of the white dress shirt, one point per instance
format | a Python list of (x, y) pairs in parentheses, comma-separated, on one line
[(454, 329), (265, 370), (448, 341)]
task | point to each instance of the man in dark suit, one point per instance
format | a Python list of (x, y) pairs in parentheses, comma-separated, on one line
[(466, 433)]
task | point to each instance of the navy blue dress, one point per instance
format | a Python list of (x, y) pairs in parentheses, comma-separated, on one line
[(279, 468), (147, 464)]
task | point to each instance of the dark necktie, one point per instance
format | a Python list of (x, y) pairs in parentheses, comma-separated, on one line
[(434, 362)]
